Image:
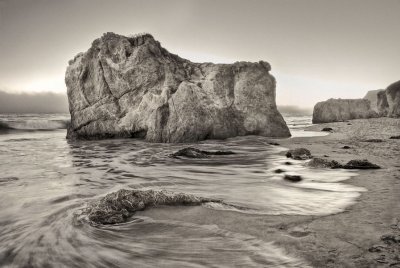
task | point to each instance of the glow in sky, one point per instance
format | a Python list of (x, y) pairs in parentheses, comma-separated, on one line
[(318, 49)]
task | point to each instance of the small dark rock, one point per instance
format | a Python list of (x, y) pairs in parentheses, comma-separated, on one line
[(278, 171), (288, 163), (191, 152), (390, 239), (349, 124), (346, 147), (373, 140), (395, 137), (292, 178), (360, 164), (299, 154), (323, 163), (375, 249), (327, 129)]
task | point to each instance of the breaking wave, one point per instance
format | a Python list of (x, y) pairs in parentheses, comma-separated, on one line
[(34, 124)]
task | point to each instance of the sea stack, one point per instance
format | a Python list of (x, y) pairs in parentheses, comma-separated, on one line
[(133, 87), (337, 110)]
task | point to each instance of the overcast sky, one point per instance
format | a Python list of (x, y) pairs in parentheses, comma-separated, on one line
[(318, 49)]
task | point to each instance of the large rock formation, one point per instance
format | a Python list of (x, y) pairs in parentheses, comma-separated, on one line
[(337, 110), (372, 96), (132, 87)]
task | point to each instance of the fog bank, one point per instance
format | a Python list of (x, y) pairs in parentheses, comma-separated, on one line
[(45, 102)]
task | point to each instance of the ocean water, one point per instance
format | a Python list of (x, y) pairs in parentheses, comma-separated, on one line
[(45, 181)]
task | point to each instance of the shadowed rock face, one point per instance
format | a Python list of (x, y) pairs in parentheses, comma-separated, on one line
[(337, 110), (132, 87), (118, 206)]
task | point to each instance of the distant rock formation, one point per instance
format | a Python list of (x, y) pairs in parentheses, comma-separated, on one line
[(393, 99), (372, 96), (337, 110), (133, 87)]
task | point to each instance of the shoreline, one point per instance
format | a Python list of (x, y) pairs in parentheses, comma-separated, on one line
[(351, 238)]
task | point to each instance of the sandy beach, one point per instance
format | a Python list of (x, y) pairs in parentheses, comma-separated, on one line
[(352, 238)]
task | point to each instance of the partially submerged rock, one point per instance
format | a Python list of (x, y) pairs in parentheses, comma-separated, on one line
[(346, 147), (191, 152), (278, 171), (299, 154), (293, 178), (118, 206), (323, 163), (133, 87), (395, 137), (339, 110), (360, 164)]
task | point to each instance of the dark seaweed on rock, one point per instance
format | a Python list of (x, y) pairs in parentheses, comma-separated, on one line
[(118, 206), (191, 152)]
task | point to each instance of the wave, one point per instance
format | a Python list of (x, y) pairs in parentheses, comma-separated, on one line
[(34, 124)]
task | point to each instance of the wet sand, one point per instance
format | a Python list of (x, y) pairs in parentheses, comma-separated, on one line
[(348, 239)]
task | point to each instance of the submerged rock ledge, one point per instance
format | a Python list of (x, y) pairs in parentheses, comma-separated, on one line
[(118, 206), (133, 87)]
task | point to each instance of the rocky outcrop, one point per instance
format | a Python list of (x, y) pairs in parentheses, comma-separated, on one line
[(338, 110), (133, 87), (118, 206), (372, 96)]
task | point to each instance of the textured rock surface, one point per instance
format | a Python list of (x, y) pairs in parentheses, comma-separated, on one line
[(118, 206), (372, 96), (337, 110), (132, 87)]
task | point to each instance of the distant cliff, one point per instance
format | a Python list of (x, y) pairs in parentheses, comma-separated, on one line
[(337, 110), (387, 101), (372, 96), (133, 87)]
